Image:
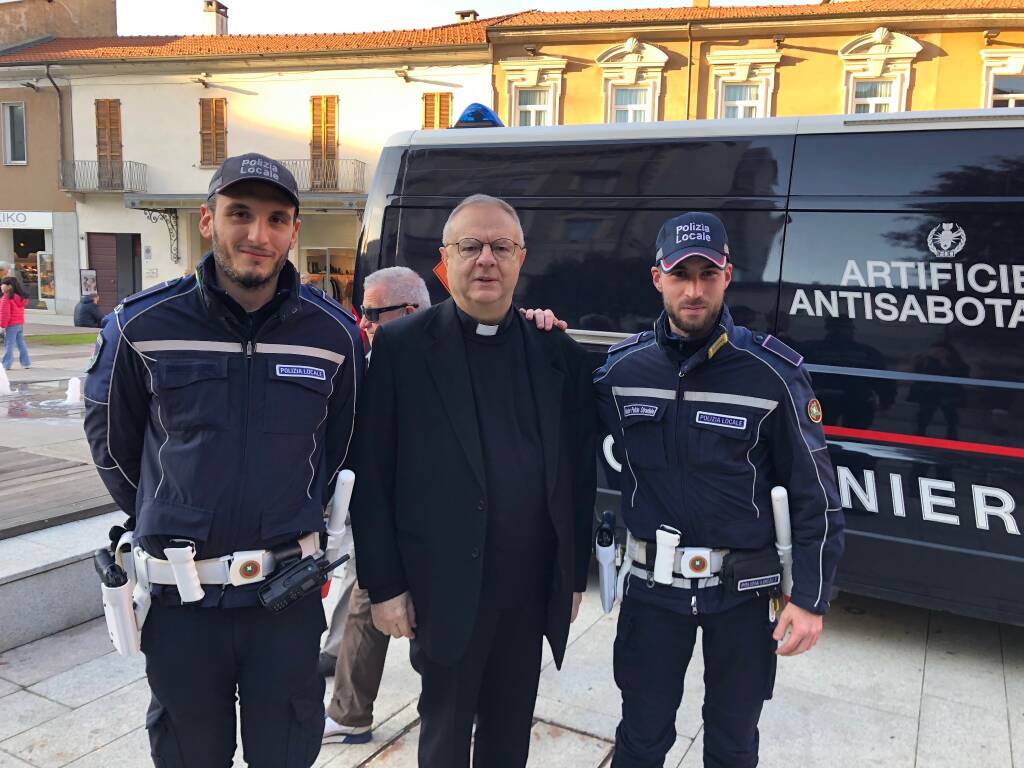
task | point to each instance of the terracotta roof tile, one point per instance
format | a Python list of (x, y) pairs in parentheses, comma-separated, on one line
[(738, 13), (203, 46)]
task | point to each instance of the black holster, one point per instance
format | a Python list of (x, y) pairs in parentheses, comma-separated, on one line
[(746, 570)]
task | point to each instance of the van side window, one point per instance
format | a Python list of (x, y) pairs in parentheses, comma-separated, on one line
[(910, 163), (708, 168)]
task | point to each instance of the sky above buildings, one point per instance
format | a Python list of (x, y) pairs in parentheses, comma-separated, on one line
[(182, 17)]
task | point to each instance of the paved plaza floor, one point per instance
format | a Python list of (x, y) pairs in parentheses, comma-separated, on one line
[(887, 686)]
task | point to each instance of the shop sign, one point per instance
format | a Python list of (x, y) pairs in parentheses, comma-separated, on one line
[(26, 220)]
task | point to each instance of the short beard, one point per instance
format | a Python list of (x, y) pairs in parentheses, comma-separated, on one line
[(249, 282), (691, 330)]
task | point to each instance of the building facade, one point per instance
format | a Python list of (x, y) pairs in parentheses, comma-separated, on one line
[(735, 62), (151, 118), (38, 225)]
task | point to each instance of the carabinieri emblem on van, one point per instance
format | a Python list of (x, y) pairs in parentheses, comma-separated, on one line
[(947, 240)]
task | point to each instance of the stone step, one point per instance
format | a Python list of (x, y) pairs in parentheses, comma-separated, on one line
[(47, 581)]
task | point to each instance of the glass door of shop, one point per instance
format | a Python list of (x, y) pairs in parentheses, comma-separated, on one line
[(332, 270), (33, 266)]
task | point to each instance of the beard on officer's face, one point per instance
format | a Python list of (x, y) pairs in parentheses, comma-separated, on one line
[(228, 260), (696, 319)]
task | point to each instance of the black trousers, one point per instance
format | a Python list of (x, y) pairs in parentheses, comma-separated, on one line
[(196, 661), (653, 647), (495, 683)]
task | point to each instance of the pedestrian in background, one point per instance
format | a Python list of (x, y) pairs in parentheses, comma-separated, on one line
[(12, 320), (87, 312)]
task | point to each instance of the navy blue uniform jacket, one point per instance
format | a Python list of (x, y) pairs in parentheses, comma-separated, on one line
[(201, 432), (706, 439)]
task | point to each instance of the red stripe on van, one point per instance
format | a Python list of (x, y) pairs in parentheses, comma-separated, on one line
[(928, 442)]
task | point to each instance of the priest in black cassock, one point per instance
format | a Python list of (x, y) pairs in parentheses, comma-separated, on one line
[(474, 493)]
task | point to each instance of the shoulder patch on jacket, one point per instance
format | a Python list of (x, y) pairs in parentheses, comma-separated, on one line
[(151, 291), (633, 340), (783, 350)]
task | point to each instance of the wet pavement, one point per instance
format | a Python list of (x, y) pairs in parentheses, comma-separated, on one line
[(46, 469)]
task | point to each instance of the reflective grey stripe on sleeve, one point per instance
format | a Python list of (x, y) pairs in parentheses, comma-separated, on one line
[(663, 394), (297, 349), (187, 345), (722, 397)]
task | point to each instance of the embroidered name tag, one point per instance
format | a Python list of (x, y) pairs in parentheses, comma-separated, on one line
[(301, 372), (744, 585), (639, 409), (721, 420)]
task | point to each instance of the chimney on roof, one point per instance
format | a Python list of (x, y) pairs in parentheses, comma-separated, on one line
[(467, 16), (215, 18), (701, 3)]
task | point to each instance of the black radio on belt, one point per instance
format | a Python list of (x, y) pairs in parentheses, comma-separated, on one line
[(296, 581)]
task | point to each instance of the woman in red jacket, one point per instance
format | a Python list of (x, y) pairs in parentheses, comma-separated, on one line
[(12, 320)]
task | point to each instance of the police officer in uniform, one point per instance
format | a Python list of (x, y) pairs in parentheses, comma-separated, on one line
[(707, 417), (219, 411)]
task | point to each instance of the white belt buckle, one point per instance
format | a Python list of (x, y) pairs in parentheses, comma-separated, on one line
[(246, 567), (695, 562)]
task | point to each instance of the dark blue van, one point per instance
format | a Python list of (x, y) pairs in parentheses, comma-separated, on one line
[(888, 249)]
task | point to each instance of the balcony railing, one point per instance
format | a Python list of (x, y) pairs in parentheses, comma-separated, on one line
[(343, 176), (102, 176)]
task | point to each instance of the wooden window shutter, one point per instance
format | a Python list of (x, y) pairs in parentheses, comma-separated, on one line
[(213, 131), (429, 110), (316, 143), (444, 112), (437, 110), (331, 128), (220, 130), (324, 139), (108, 129)]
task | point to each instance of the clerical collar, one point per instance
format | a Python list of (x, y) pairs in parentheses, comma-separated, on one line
[(474, 327)]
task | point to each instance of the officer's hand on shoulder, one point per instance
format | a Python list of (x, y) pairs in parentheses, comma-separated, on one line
[(805, 629), (544, 318), (395, 617)]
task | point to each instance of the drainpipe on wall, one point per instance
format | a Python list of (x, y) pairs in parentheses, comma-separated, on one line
[(60, 127), (689, 66)]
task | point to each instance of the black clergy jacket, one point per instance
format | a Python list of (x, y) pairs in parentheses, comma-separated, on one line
[(419, 508)]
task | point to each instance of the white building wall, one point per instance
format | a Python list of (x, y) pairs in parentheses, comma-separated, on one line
[(267, 112)]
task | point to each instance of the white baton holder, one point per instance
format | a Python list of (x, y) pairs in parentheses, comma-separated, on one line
[(336, 522), (667, 539), (783, 536), (119, 611), (186, 575), (124, 626)]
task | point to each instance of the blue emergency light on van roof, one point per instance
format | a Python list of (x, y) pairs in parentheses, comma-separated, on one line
[(478, 116)]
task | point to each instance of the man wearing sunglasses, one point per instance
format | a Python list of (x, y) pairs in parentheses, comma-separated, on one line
[(355, 650)]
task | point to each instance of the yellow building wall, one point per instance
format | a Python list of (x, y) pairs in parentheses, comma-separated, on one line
[(946, 74)]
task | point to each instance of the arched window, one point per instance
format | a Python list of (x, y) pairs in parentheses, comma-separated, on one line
[(632, 81), (876, 71)]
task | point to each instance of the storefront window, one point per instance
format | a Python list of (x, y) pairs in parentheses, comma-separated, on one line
[(27, 245), (332, 270)]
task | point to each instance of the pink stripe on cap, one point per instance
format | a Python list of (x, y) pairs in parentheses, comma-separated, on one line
[(718, 259)]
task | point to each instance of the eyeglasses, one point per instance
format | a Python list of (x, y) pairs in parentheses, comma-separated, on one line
[(470, 248), (372, 314)]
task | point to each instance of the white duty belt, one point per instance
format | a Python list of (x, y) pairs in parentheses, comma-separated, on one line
[(685, 560), (238, 568)]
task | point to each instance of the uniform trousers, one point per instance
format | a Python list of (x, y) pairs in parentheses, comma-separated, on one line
[(495, 682), (653, 647), (198, 659), (360, 665)]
